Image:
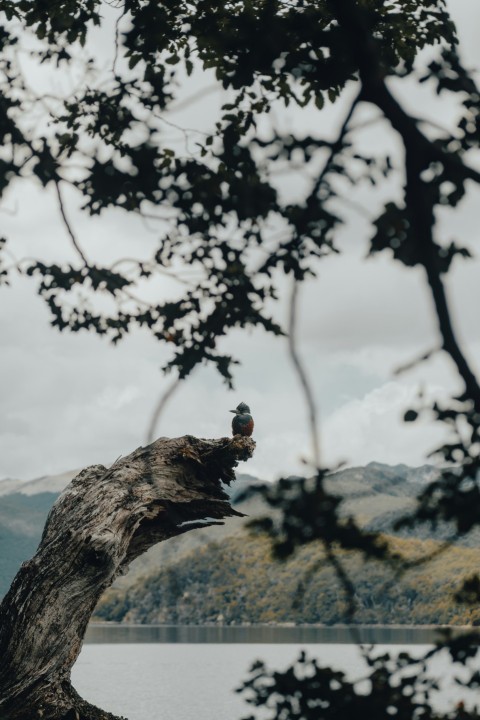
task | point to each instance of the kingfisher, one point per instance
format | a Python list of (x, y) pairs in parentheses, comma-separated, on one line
[(242, 423)]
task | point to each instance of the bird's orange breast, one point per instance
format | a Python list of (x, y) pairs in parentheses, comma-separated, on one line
[(242, 425)]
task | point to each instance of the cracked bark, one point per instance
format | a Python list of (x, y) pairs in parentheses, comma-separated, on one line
[(102, 521)]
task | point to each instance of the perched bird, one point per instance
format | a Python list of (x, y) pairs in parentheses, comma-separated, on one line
[(242, 423)]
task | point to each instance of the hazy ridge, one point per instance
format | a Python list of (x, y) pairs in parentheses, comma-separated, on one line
[(224, 574)]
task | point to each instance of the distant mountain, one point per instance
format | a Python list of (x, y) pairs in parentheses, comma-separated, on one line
[(370, 492), (24, 507), (45, 483), (8, 485), (22, 518), (375, 495), (232, 579)]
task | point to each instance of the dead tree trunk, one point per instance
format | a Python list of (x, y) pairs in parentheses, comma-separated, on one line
[(103, 520)]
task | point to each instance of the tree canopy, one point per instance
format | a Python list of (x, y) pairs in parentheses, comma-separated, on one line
[(223, 212), (218, 200), (221, 209)]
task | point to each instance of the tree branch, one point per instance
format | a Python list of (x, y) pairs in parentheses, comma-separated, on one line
[(420, 152), (67, 224), (103, 520), (302, 376)]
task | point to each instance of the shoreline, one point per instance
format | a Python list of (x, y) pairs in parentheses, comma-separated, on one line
[(114, 632)]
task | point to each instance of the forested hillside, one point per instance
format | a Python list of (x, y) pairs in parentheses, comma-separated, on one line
[(236, 581), (222, 571)]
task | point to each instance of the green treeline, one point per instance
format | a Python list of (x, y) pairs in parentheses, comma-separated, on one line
[(237, 581)]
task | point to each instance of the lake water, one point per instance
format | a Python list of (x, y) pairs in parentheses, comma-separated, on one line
[(145, 673)]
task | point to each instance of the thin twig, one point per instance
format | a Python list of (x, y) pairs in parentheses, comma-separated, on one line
[(67, 224), (183, 130), (401, 566), (337, 144), (152, 216), (348, 588), (130, 297), (153, 269), (409, 365), (117, 37), (420, 151), (199, 95), (159, 408), (302, 375)]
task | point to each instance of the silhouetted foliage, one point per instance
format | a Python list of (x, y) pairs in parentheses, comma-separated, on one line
[(268, 53), (309, 513), (397, 687), (105, 141)]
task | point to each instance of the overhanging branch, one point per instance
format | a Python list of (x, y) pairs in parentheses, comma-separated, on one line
[(103, 520)]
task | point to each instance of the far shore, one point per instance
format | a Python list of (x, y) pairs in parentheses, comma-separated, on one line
[(114, 632)]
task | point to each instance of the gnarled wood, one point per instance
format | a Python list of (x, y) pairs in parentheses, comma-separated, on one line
[(102, 521)]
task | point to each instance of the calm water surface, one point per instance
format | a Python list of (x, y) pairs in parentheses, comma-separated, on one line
[(194, 678)]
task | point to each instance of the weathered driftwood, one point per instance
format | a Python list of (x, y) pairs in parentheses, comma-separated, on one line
[(103, 520)]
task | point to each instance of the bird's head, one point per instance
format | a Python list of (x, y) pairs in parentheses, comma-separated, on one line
[(241, 409)]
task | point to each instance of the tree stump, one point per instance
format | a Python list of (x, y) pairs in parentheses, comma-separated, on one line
[(102, 521)]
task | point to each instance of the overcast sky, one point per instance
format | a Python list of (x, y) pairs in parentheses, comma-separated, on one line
[(73, 400)]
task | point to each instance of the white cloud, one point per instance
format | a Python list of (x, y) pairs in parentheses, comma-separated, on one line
[(373, 429), (70, 400), (114, 398)]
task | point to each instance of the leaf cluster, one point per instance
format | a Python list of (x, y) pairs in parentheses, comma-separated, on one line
[(222, 201), (305, 513), (393, 687)]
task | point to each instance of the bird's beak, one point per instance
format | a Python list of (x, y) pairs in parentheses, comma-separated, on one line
[(234, 411)]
